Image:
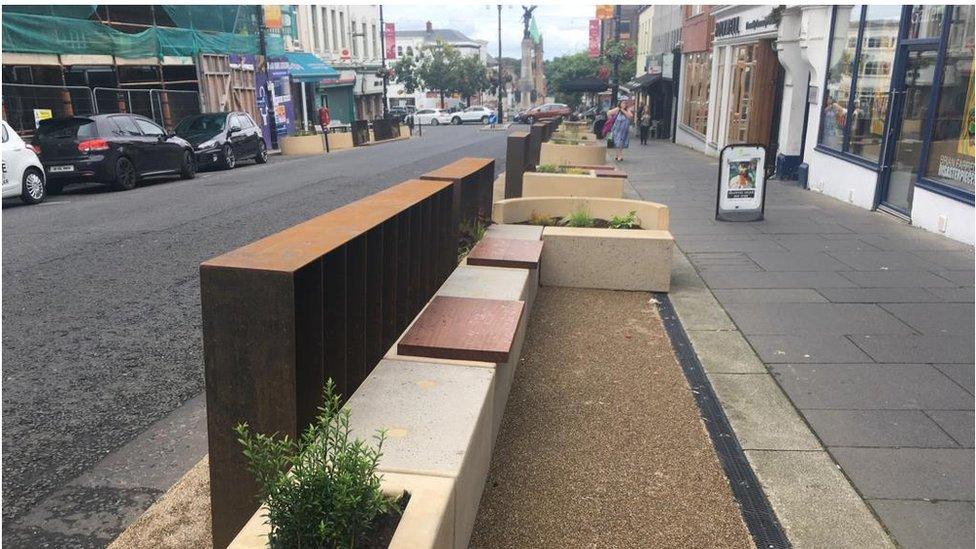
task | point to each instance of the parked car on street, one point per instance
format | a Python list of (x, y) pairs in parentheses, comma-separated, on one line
[(546, 112), (115, 149), (400, 114), (23, 174), (431, 117), (476, 113), (223, 138)]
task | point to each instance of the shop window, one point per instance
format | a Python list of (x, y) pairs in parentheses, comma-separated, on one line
[(926, 22), (951, 152), (856, 93), (697, 79)]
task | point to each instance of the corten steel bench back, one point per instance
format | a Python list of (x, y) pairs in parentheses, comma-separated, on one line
[(517, 153), (537, 136), (325, 298), (473, 180)]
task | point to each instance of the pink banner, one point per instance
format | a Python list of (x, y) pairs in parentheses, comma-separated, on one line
[(594, 38), (390, 39)]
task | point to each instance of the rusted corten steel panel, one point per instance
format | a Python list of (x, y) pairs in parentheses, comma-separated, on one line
[(537, 135), (323, 299), (473, 179), (297, 246), (516, 162)]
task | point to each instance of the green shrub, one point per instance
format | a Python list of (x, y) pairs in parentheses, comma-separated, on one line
[(540, 219), (628, 221), (547, 168), (580, 217), (321, 490)]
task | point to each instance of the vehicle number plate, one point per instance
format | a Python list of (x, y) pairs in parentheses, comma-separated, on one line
[(61, 169)]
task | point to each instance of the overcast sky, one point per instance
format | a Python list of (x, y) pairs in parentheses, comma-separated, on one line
[(564, 27)]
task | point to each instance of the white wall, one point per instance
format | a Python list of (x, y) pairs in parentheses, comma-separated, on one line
[(960, 218)]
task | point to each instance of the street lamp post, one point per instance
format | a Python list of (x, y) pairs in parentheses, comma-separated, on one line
[(386, 111), (501, 113), (615, 90)]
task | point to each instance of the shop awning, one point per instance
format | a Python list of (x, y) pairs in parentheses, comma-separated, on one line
[(306, 67), (584, 84), (645, 80)]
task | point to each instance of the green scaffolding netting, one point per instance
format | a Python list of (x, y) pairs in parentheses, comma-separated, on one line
[(28, 33)]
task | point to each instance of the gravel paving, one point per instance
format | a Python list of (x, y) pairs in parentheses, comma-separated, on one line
[(101, 303), (602, 444)]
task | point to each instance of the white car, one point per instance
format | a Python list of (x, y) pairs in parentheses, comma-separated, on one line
[(23, 174), (473, 114), (431, 117)]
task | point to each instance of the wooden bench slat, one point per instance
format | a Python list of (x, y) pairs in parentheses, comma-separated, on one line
[(506, 252), (464, 328)]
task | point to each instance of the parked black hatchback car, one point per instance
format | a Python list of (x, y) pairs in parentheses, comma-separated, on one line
[(223, 138), (116, 149)]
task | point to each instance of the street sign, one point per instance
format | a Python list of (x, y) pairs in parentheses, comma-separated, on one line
[(741, 183)]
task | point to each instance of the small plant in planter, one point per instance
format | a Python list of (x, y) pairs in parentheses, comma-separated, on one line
[(552, 168), (580, 217), (322, 489), (470, 233), (540, 219), (629, 221), (547, 168)]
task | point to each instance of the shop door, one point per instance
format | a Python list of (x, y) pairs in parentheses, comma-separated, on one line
[(912, 95)]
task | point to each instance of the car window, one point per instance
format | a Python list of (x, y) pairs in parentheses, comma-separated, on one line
[(5, 136), (66, 128), (246, 120), (125, 125), (424, 111), (237, 120), (148, 128)]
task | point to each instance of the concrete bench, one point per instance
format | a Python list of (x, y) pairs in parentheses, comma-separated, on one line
[(464, 328)]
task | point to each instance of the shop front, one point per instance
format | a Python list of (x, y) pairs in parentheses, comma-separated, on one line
[(368, 92), (307, 73), (695, 91), (747, 79), (896, 115)]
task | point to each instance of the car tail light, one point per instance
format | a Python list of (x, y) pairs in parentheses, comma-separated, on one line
[(93, 145), (35, 148)]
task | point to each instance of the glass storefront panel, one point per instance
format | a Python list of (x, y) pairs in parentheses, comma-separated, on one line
[(951, 152), (698, 76), (919, 70), (926, 22), (837, 91), (742, 92), (871, 95)]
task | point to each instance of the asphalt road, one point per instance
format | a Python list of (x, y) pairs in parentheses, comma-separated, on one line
[(101, 314)]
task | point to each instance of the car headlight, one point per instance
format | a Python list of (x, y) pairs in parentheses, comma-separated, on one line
[(207, 144)]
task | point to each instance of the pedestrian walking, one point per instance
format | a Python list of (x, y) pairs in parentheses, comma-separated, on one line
[(645, 126), (620, 130)]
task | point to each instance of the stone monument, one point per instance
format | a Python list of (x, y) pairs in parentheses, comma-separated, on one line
[(526, 82)]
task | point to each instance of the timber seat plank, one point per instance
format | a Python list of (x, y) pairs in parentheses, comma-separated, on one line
[(506, 252), (464, 328), (458, 169)]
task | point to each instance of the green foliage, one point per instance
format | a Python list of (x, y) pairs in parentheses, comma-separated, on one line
[(547, 168), (562, 69), (441, 68), (580, 217), (470, 233), (629, 221), (321, 490), (471, 77)]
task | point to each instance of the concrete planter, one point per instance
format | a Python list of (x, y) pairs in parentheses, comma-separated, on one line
[(426, 522), (553, 153), (302, 145), (339, 141), (560, 184), (581, 135), (614, 259)]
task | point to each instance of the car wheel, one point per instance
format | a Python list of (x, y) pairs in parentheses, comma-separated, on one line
[(189, 168), (484, 119), (33, 192), (262, 157), (228, 160), (456, 121), (435, 122), (125, 175)]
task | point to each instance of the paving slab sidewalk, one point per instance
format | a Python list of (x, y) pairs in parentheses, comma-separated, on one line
[(602, 444), (866, 325)]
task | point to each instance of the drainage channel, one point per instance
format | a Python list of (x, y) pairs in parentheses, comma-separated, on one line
[(758, 515)]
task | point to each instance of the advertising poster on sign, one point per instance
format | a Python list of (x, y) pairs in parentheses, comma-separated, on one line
[(389, 40), (741, 183)]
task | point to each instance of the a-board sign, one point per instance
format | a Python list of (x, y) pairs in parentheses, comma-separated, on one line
[(741, 183)]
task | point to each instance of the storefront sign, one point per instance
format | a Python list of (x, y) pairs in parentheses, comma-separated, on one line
[(390, 40), (594, 38), (604, 11), (728, 27), (757, 24), (41, 114), (272, 17), (741, 183)]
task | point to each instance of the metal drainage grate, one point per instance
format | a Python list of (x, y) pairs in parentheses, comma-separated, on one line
[(758, 515)]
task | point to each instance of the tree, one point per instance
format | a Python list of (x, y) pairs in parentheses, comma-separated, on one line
[(471, 77), (565, 68)]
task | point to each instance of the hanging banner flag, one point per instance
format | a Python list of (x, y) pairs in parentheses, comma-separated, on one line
[(594, 38), (390, 38), (604, 11), (272, 17)]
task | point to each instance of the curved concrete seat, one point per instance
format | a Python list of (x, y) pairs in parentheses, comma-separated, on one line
[(653, 216)]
